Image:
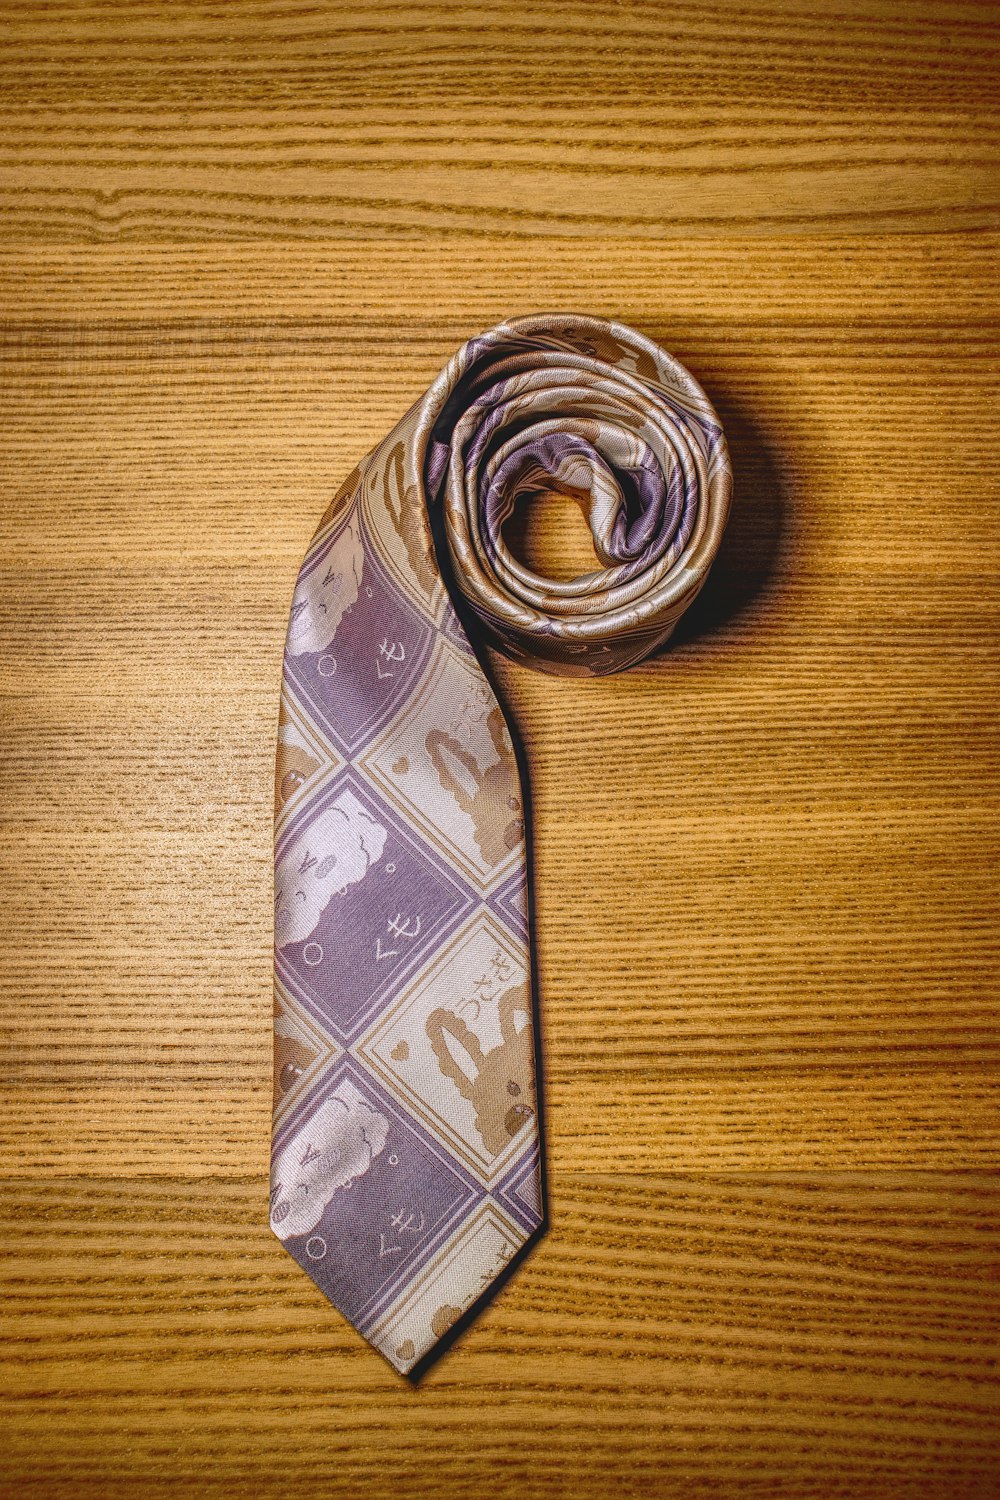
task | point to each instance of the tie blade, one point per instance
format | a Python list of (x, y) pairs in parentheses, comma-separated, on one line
[(462, 1279), (398, 1233), (405, 1151)]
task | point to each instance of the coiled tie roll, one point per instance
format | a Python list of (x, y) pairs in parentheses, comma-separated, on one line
[(597, 411)]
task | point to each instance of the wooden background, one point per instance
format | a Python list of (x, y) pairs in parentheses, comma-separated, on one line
[(237, 241)]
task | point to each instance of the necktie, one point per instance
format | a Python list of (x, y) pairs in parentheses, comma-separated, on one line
[(405, 1168)]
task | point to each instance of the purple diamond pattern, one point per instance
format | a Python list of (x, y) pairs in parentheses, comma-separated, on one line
[(372, 936), (375, 1232), (353, 685)]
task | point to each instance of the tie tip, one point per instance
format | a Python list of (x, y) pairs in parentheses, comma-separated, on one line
[(421, 1328)]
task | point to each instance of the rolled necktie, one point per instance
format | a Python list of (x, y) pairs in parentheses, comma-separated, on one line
[(406, 1176)]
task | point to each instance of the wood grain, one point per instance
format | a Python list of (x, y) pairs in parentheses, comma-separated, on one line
[(237, 243), (135, 119), (692, 1335)]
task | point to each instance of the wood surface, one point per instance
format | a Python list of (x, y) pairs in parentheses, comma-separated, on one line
[(237, 242)]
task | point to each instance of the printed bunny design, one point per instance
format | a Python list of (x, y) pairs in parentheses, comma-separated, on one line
[(294, 764), (294, 1051), (602, 344), (490, 797), (343, 496), (499, 1083), (291, 1059), (405, 511)]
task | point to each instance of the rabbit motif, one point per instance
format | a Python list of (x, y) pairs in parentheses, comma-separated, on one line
[(408, 517), (490, 797), (292, 1056), (499, 1083), (341, 498), (293, 765)]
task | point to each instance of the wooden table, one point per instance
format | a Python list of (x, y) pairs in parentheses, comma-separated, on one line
[(238, 241)]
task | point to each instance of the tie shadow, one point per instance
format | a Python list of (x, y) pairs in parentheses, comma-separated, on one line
[(751, 544)]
